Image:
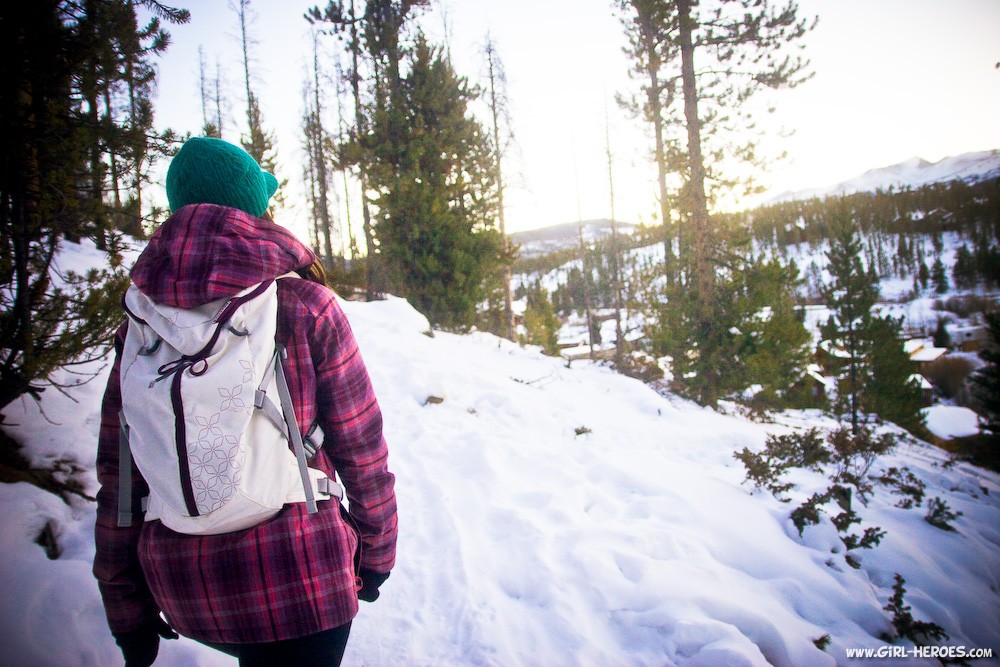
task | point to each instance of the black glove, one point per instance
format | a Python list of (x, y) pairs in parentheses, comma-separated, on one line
[(140, 646), (370, 581)]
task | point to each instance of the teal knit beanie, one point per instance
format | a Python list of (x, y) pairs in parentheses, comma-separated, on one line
[(212, 171)]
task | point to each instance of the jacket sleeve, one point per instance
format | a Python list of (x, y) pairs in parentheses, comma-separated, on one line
[(128, 602), (351, 421)]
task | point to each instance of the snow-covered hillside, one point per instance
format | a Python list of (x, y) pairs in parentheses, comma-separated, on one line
[(554, 516), (536, 242), (915, 172)]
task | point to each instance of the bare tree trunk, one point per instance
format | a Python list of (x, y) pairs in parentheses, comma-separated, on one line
[(341, 127), (371, 255), (586, 279), (202, 87), (704, 276), (244, 40), (615, 263), (321, 179), (494, 108), (218, 99), (112, 157), (136, 226), (656, 110)]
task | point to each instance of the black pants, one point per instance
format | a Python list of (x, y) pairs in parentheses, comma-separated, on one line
[(323, 649)]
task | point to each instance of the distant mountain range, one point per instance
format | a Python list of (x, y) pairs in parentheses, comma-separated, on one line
[(915, 172), (536, 242)]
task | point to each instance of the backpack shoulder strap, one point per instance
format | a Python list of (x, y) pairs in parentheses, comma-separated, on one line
[(293, 429), (124, 474)]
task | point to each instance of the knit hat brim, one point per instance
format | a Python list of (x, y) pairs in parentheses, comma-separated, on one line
[(270, 183), (212, 171)]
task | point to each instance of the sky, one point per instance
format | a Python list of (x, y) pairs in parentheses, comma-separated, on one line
[(893, 79)]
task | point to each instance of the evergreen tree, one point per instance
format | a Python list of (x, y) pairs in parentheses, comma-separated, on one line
[(924, 275), (850, 296), (372, 42), (941, 336), (141, 147), (939, 277), (964, 270), (741, 47), (210, 92), (616, 258), (437, 202), (540, 322), (778, 344), (649, 26), (60, 129), (759, 338), (892, 392), (317, 141), (987, 381), (114, 89)]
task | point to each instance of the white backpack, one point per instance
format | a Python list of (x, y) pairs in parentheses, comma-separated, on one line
[(198, 419)]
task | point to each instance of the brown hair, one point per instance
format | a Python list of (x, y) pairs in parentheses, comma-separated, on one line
[(315, 271)]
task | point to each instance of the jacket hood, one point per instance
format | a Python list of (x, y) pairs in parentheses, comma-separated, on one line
[(205, 252)]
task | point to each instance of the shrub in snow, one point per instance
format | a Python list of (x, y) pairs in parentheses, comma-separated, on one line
[(940, 515), (782, 453), (848, 457), (919, 632), (902, 482)]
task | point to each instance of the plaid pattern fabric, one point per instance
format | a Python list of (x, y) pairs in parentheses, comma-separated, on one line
[(293, 575)]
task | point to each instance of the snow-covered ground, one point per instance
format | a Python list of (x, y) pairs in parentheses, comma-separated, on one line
[(554, 516), (920, 309)]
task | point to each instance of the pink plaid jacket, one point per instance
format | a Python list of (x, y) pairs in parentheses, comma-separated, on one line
[(293, 575)]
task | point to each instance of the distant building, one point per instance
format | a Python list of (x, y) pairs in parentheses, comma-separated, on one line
[(926, 388), (821, 387), (947, 423), (969, 338), (923, 352)]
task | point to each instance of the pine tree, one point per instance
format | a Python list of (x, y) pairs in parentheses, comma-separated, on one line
[(740, 47), (924, 275), (758, 339), (941, 336), (615, 247), (732, 38), (373, 44), (850, 296), (211, 98), (939, 277), (437, 203), (778, 345), (649, 25), (540, 322), (963, 273), (987, 380), (62, 125), (142, 147), (892, 392)]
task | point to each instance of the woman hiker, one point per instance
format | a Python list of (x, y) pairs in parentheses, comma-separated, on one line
[(282, 592)]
